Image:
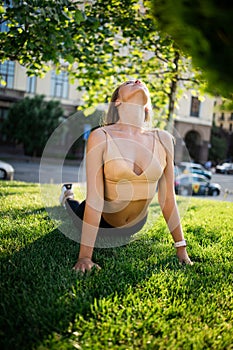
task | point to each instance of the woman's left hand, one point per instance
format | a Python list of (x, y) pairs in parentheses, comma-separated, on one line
[(85, 265), (183, 256)]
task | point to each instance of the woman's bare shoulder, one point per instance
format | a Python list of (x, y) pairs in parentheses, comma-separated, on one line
[(164, 135), (98, 133), (97, 136)]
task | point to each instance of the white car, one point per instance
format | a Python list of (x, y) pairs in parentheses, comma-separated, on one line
[(6, 171), (225, 168), (194, 168)]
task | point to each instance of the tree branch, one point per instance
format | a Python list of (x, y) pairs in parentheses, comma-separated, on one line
[(160, 58), (160, 73), (188, 79)]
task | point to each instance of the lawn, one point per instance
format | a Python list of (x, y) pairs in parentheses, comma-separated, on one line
[(142, 298)]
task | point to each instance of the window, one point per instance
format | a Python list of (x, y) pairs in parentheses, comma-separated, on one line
[(200, 179), (3, 113), (195, 107), (230, 127), (31, 84), (7, 72), (59, 85), (4, 24), (222, 116), (231, 117)]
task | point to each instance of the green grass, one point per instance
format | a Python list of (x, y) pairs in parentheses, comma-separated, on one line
[(142, 298)]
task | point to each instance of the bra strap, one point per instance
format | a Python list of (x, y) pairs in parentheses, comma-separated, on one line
[(106, 146)]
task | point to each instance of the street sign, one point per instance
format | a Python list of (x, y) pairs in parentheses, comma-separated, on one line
[(87, 130)]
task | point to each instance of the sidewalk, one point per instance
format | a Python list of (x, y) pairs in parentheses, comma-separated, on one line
[(9, 155)]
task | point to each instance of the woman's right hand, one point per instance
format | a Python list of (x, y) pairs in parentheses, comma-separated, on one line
[(183, 256), (85, 264)]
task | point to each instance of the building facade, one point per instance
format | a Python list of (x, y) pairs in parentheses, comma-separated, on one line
[(191, 125), (15, 85), (222, 119), (192, 128)]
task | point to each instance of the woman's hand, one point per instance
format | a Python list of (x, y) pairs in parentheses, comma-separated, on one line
[(183, 256), (85, 264)]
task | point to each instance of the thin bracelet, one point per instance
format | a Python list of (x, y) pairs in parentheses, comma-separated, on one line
[(180, 244)]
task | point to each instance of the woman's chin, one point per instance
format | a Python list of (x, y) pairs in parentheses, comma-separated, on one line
[(139, 97)]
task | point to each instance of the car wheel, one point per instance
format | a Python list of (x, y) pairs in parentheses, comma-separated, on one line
[(3, 174), (215, 193)]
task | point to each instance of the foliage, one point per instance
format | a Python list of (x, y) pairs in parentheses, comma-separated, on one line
[(203, 29), (37, 32), (31, 121), (227, 105), (141, 299), (125, 43), (100, 45)]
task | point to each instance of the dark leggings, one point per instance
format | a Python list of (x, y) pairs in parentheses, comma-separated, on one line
[(105, 229)]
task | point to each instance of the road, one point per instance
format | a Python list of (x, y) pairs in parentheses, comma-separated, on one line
[(226, 183), (28, 171)]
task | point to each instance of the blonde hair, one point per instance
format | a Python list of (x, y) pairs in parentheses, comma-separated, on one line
[(112, 115)]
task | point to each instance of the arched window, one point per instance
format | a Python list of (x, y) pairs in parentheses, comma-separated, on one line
[(193, 144)]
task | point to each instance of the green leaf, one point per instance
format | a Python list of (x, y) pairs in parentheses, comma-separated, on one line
[(78, 17)]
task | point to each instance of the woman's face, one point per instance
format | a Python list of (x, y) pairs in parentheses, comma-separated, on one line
[(133, 90)]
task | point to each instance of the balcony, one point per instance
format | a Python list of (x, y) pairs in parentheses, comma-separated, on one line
[(11, 95)]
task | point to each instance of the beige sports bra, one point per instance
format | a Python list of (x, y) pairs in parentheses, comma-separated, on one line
[(122, 183)]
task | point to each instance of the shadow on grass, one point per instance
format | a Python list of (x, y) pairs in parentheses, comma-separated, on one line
[(24, 211), (41, 294)]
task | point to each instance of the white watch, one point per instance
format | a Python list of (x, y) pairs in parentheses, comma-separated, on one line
[(180, 244)]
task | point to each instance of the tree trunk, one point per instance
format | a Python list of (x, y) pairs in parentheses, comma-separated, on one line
[(172, 93)]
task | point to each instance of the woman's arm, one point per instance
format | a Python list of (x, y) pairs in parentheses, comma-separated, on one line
[(167, 199), (94, 199)]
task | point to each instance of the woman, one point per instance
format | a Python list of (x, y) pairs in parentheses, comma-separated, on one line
[(124, 165)]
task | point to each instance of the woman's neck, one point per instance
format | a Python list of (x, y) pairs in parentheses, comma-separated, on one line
[(131, 115)]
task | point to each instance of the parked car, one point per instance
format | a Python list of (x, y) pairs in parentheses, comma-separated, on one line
[(6, 171), (194, 168), (224, 168), (193, 184)]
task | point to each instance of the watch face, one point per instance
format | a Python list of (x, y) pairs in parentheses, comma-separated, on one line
[(68, 186)]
